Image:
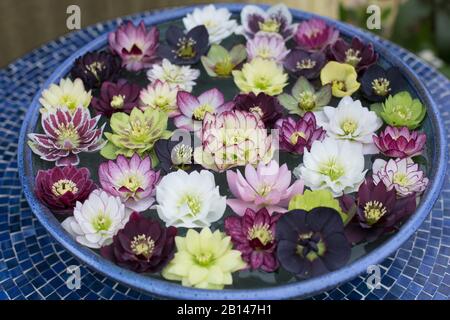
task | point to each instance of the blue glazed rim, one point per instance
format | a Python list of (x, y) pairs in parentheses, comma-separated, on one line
[(304, 288)]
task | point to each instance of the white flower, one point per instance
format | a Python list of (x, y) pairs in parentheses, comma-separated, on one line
[(182, 77), (403, 175), (331, 164), (216, 21), (68, 93), (351, 121), (160, 95), (270, 46), (97, 220), (189, 200)]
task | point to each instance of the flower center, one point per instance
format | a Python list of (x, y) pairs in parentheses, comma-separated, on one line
[(262, 82), (373, 211), (132, 183), (338, 85), (257, 110), (162, 103), (265, 53), (62, 186), (186, 48), (224, 67), (199, 112), (135, 52), (193, 203), (402, 111), (310, 245), (305, 64), (401, 179), (143, 245), (181, 154), (210, 23), (381, 86), (332, 169), (117, 101), (101, 222), (307, 101), (270, 25), (68, 101), (139, 130), (260, 236), (296, 135), (352, 57), (264, 190), (68, 137), (204, 258), (349, 126), (95, 68)]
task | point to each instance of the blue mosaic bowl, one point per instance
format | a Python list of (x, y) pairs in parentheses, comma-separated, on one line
[(436, 155)]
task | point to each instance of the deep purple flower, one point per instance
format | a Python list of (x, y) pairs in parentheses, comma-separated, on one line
[(174, 155), (94, 68), (377, 84), (143, 245), (312, 243), (253, 235), (60, 188), (267, 107), (356, 53), (116, 97), (66, 135), (295, 136), (185, 48), (315, 35), (302, 63), (378, 212), (397, 142)]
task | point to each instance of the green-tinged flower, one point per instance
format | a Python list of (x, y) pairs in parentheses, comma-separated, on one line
[(304, 98), (261, 75), (135, 133), (314, 199), (342, 77), (204, 260), (401, 110), (219, 62)]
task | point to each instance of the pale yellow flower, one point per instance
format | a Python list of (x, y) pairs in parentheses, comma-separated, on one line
[(342, 77)]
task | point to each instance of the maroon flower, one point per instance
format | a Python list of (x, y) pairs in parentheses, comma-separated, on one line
[(254, 235), (302, 63), (295, 136), (116, 97), (356, 53), (378, 212), (60, 188), (400, 142), (143, 245), (264, 105)]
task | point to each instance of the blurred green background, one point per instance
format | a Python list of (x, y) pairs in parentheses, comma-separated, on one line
[(422, 26)]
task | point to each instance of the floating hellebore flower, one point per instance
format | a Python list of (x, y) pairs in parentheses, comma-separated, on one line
[(143, 245), (328, 166), (276, 19), (133, 181), (304, 98), (181, 77), (342, 77), (193, 109), (267, 46), (204, 260), (184, 48), (189, 200), (136, 46), (216, 20), (400, 142), (66, 135), (175, 154), (268, 186), (315, 35), (94, 68), (261, 75), (231, 139), (69, 94), (220, 63), (378, 212), (161, 96), (357, 54), (403, 175), (311, 243), (301, 63), (267, 107), (351, 121), (97, 220), (60, 188), (377, 84), (296, 136), (135, 133), (401, 110), (253, 234), (116, 97)]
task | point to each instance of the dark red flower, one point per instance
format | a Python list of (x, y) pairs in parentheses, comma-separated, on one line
[(143, 245), (116, 97), (359, 55), (400, 142), (267, 107), (60, 188)]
